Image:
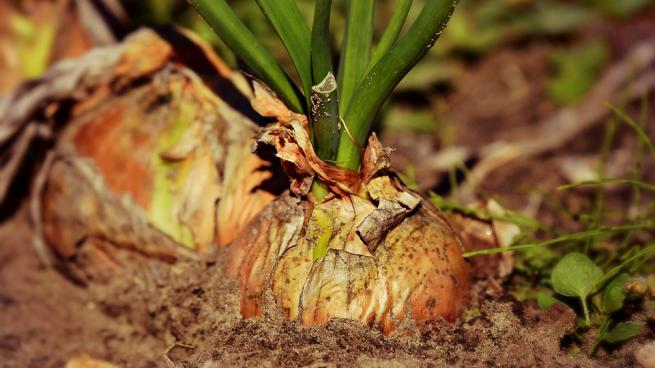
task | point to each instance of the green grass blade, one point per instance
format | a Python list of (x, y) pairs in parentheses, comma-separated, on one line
[(378, 84), (635, 126), (226, 24), (636, 183), (356, 48), (290, 26), (637, 166), (564, 238), (647, 252), (391, 33), (510, 216)]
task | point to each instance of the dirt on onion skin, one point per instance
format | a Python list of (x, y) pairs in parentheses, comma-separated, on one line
[(192, 311)]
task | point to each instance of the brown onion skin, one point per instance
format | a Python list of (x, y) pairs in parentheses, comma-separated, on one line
[(418, 268)]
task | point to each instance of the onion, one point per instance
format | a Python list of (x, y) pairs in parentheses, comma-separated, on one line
[(152, 170), (374, 251)]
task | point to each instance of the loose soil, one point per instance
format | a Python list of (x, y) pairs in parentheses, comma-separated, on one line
[(45, 319)]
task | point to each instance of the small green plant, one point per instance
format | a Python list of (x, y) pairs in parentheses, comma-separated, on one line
[(610, 301), (596, 268), (576, 275), (341, 109)]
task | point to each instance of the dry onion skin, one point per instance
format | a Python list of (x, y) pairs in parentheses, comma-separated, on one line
[(373, 252), (36, 34), (152, 165), (416, 268)]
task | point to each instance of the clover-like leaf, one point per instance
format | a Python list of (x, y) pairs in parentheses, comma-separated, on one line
[(613, 295), (576, 275), (622, 332)]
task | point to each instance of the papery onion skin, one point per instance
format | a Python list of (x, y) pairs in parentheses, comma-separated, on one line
[(418, 267), (152, 164), (371, 251)]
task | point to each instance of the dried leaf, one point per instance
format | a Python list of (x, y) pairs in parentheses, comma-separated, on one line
[(290, 137)]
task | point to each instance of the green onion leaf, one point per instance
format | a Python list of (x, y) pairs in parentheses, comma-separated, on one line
[(238, 37), (325, 116), (290, 26), (378, 84), (321, 55), (391, 33), (356, 48), (325, 106)]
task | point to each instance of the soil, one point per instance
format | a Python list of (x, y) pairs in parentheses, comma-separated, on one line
[(192, 317), (189, 315)]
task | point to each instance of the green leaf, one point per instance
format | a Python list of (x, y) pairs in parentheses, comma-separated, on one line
[(325, 118), (289, 24), (321, 53), (600, 334), (613, 295), (325, 105), (391, 32), (575, 275), (378, 84), (356, 48), (622, 332), (235, 34)]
